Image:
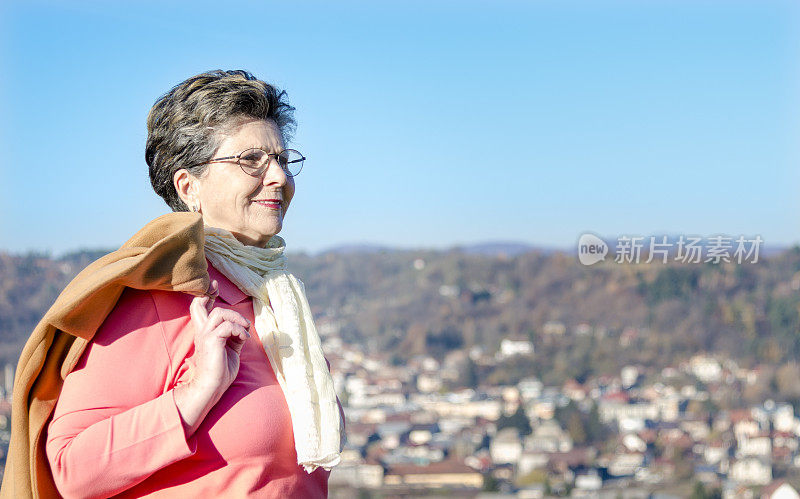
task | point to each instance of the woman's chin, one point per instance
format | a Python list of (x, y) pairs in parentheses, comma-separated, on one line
[(265, 234), (256, 236)]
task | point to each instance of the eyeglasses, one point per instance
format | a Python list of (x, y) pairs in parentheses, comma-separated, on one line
[(255, 161)]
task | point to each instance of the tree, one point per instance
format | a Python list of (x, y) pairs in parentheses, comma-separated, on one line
[(700, 492), (576, 429), (468, 374), (490, 483), (595, 431), (517, 420)]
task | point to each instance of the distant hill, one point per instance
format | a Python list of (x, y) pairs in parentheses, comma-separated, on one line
[(492, 248), (356, 248), (408, 302), (508, 248)]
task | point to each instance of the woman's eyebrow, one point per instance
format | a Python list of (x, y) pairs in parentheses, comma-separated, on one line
[(274, 150)]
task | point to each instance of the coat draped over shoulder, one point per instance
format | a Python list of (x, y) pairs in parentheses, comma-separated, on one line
[(166, 254)]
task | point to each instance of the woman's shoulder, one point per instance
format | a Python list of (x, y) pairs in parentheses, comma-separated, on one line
[(138, 309), (166, 254), (151, 323)]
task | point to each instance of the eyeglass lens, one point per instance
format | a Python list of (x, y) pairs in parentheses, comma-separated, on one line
[(253, 161)]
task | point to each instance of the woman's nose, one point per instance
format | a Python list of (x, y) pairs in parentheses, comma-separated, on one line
[(274, 174)]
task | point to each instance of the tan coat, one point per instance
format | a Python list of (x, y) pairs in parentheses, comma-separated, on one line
[(166, 254)]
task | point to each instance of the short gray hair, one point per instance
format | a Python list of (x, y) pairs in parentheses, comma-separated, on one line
[(185, 124)]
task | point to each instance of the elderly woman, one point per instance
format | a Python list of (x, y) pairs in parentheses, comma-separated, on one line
[(221, 394)]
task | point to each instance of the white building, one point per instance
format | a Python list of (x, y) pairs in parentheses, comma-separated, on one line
[(488, 409), (751, 470), (706, 369), (429, 383), (629, 376), (383, 399), (548, 437), (625, 464), (357, 475), (530, 460), (634, 442), (779, 490), (783, 418), (614, 411), (588, 481), (756, 445), (715, 452), (506, 446), (668, 407), (511, 348)]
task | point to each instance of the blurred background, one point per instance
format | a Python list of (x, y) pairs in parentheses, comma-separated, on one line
[(456, 153)]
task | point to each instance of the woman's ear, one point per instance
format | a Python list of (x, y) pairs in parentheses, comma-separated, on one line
[(186, 186)]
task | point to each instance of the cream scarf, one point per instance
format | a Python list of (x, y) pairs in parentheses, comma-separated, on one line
[(290, 339)]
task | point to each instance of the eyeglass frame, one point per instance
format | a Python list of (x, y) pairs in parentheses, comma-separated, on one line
[(270, 157)]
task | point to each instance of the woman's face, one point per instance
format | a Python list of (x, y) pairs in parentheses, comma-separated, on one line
[(251, 208)]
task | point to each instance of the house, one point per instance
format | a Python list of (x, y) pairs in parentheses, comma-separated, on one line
[(715, 452), (779, 490), (616, 407), (629, 376), (512, 347), (542, 409), (429, 382), (706, 369), (531, 460), (489, 409), (548, 437), (634, 442), (450, 474), (506, 446), (535, 491), (625, 463), (744, 426), (421, 434), (357, 475), (751, 470), (759, 444), (783, 418), (588, 481), (668, 407), (698, 429)]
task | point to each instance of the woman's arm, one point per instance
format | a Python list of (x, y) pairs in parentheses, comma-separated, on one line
[(117, 421)]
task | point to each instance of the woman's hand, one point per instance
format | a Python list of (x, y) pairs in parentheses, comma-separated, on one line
[(219, 335)]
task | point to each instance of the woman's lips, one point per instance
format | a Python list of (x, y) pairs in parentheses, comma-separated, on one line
[(275, 204)]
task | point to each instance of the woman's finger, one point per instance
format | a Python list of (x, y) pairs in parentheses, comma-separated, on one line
[(198, 311), (230, 330), (234, 335), (220, 315), (213, 293), (238, 338)]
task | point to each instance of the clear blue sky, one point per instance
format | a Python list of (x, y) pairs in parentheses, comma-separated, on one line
[(426, 124)]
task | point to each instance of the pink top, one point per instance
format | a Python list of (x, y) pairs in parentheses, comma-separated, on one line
[(117, 432)]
